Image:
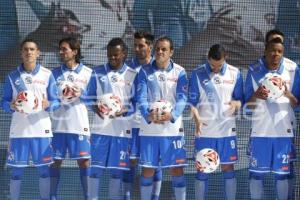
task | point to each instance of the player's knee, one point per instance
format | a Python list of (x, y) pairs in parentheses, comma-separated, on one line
[(202, 176), (148, 172), (228, 174), (96, 172), (158, 174), (178, 181), (115, 173), (146, 181), (17, 173), (43, 171), (133, 162), (256, 176), (281, 177), (83, 163), (177, 171)]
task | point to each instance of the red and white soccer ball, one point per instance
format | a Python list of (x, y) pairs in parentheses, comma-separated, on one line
[(275, 86), (26, 102), (109, 104), (207, 160), (68, 92), (161, 106)]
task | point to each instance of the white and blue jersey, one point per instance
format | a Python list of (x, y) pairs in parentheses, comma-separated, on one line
[(273, 119), (210, 93), (73, 118), (42, 83), (156, 84), (121, 83)]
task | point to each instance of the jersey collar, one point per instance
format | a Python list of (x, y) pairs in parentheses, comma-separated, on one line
[(77, 68), (278, 71), (120, 70), (34, 71), (222, 71), (169, 68)]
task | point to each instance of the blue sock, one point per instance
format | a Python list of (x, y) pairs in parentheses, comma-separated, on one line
[(230, 185), (256, 185), (179, 185), (146, 187), (157, 179), (44, 182), (93, 182), (201, 185), (84, 174), (114, 184), (128, 179), (54, 181), (291, 182), (282, 186), (15, 182)]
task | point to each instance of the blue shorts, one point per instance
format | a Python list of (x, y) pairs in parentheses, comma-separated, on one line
[(293, 155), (225, 147), (20, 149), (270, 154), (78, 146), (110, 152), (135, 144), (164, 152)]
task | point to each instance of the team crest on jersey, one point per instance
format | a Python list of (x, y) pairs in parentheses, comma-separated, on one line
[(217, 80), (161, 77), (114, 78), (70, 78), (28, 80)]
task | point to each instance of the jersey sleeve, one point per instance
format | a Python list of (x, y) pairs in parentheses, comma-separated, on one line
[(142, 93), (52, 94), (238, 91), (193, 90), (249, 91), (7, 96)]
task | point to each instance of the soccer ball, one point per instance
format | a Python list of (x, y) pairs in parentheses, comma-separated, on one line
[(275, 86), (207, 160), (68, 92), (109, 104), (161, 106), (26, 102)]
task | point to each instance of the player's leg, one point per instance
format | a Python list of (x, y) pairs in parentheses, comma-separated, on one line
[(173, 155), (59, 146), (118, 161), (99, 154), (41, 153), (17, 158), (281, 166), (260, 160), (157, 180), (227, 150), (79, 149), (291, 176), (149, 160)]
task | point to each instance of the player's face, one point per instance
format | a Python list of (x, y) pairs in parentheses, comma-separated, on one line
[(116, 56), (66, 53), (216, 65), (274, 53), (30, 53), (163, 53), (141, 49)]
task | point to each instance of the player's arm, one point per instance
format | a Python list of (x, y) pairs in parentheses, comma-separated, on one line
[(6, 102), (91, 93), (130, 109), (142, 94), (181, 96), (238, 94), (294, 94), (52, 102)]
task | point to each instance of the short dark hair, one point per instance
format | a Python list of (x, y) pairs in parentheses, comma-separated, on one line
[(29, 40), (216, 52), (165, 38), (74, 45), (274, 41), (144, 34), (117, 41), (273, 32)]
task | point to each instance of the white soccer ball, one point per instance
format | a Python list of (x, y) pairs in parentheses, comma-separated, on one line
[(26, 102), (207, 160), (275, 86), (68, 91), (161, 106), (109, 104)]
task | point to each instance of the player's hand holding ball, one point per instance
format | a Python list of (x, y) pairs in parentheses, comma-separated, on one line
[(68, 92), (110, 106), (160, 112), (25, 102)]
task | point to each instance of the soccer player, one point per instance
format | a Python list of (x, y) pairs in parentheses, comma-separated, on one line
[(216, 92), (272, 121), (71, 130), (143, 44), (111, 137), (30, 134), (161, 135)]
